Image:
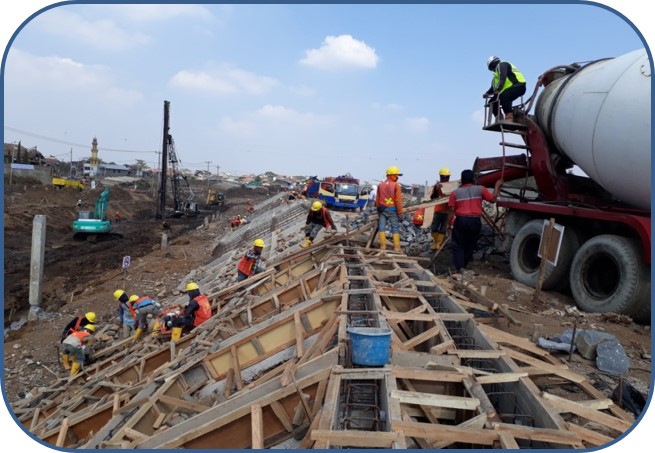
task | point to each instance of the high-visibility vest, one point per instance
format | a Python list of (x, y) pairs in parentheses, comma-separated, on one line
[(76, 338), (419, 215), (246, 265), (204, 312), (508, 83), (386, 195)]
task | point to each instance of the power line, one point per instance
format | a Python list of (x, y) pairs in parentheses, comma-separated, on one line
[(64, 142)]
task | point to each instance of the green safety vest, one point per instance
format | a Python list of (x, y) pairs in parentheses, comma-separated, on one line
[(508, 83)]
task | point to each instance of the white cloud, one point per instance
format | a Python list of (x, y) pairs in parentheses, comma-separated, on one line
[(244, 128), (223, 80), (275, 120), (30, 74), (101, 34), (417, 124), (294, 118), (341, 52)]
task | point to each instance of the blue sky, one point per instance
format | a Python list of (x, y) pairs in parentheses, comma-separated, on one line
[(295, 89)]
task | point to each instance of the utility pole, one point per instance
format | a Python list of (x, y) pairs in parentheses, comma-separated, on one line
[(217, 173), (208, 162), (70, 169)]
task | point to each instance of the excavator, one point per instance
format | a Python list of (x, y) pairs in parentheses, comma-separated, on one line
[(94, 225)]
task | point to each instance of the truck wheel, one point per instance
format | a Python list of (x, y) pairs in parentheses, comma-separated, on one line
[(525, 262), (607, 275)]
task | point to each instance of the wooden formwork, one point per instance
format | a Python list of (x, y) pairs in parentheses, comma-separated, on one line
[(274, 361)]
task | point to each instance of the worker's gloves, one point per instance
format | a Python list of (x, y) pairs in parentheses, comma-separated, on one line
[(158, 305), (136, 311)]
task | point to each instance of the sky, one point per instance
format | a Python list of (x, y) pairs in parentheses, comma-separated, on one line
[(294, 89)]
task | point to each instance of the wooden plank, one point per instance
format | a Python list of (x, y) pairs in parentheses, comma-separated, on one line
[(476, 353), (63, 431), (564, 405), (588, 435), (159, 420), (501, 377), (300, 331), (257, 426), (282, 415), (507, 441), (364, 439), (236, 367), (426, 375), (557, 436), (176, 402), (420, 338), (556, 370), (446, 433), (429, 399), (476, 422)]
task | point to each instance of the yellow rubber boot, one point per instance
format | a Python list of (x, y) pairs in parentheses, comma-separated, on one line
[(439, 240), (307, 243), (176, 333), (396, 242), (75, 367), (156, 328), (137, 335), (435, 243), (383, 240), (65, 361)]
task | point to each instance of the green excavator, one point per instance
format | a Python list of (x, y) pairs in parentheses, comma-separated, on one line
[(94, 225)]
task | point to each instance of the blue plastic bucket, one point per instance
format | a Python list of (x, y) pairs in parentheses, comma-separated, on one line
[(370, 346)]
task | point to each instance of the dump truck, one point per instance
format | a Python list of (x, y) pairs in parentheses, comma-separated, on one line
[(343, 192), (59, 182), (586, 165)]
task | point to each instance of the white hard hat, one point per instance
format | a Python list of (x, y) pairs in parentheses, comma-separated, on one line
[(491, 60)]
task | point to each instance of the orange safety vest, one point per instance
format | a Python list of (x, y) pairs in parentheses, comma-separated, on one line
[(323, 214), (388, 196), (203, 313), (80, 335), (245, 265), (418, 217), (76, 327)]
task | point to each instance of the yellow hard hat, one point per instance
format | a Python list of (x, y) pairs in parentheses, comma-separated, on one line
[(90, 316), (191, 286), (316, 205), (133, 298), (118, 293), (393, 170), (90, 327), (259, 243), (445, 171)]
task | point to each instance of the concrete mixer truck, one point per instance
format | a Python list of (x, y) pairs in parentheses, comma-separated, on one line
[(592, 118)]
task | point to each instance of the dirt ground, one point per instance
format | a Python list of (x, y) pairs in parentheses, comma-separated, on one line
[(81, 276)]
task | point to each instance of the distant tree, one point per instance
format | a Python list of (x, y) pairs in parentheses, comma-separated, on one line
[(24, 156), (141, 165), (270, 174)]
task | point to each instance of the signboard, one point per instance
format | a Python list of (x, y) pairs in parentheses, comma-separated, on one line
[(126, 262), (554, 244)]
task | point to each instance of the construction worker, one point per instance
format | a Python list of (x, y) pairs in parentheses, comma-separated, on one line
[(418, 217), (250, 262), (142, 307), (507, 85), (75, 325), (236, 221), (439, 224), (117, 217), (74, 347), (389, 204), (318, 217), (126, 312), (126, 318), (465, 203), (196, 311)]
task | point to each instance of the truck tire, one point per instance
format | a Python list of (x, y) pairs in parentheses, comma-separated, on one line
[(608, 275), (525, 262)]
